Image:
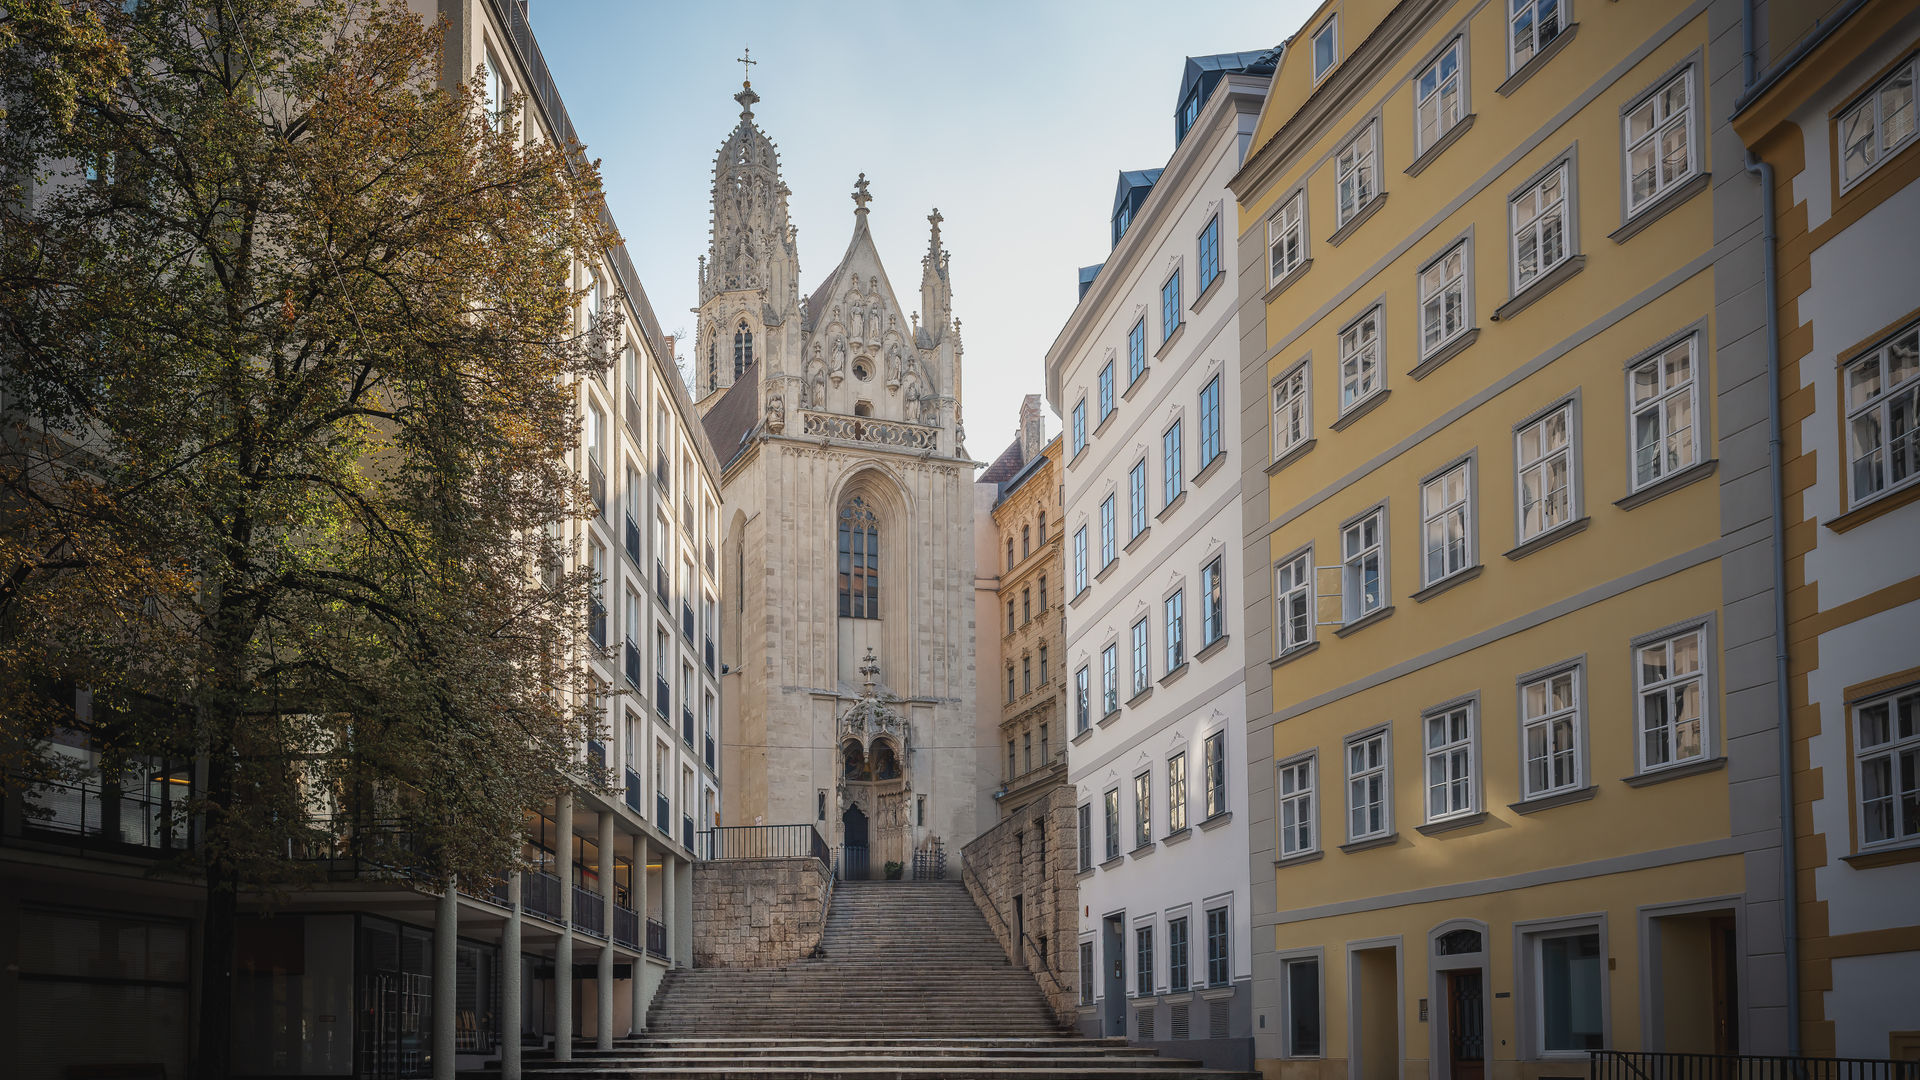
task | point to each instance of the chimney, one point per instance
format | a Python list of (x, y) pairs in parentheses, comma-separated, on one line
[(666, 342), (1033, 428)]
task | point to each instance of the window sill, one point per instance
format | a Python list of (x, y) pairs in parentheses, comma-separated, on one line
[(1134, 701), (1298, 451), (1134, 386), (1360, 408), (1107, 569), (1891, 855), (1141, 851), (1538, 61), (1174, 674), (1370, 843), (1459, 577), (1674, 772), (1287, 280), (1206, 294), (1210, 468), (1699, 470), (1660, 208), (1548, 802), (1113, 862), (1301, 859), (1293, 654), (1176, 836), (1077, 455), (1540, 287), (1079, 596), (1105, 422), (1447, 825), (1085, 734), (1445, 353), (1168, 509), (1550, 537), (1218, 644), (1217, 820), (1138, 538), (1364, 621), (1358, 219), (1108, 718), (1427, 156), (1874, 507), (1084, 874), (1171, 338)]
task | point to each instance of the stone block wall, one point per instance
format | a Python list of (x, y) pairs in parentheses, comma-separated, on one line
[(1031, 854), (757, 912)]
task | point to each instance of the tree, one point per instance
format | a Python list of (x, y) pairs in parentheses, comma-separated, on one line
[(288, 350)]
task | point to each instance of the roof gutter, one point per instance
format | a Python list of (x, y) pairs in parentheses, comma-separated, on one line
[(1759, 82)]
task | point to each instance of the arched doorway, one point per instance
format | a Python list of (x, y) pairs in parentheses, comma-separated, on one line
[(853, 845)]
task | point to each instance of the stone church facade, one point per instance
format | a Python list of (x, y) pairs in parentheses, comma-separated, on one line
[(848, 520)]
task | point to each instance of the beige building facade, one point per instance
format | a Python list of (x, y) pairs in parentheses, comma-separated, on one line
[(1032, 692)]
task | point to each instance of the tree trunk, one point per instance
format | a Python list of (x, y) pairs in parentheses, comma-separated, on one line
[(215, 1041)]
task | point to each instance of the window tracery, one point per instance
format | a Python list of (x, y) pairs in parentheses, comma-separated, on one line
[(859, 561)]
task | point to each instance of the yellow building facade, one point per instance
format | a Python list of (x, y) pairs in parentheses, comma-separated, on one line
[(1033, 696), (1512, 725)]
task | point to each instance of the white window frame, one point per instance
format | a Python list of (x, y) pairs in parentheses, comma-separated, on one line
[(1369, 781), (1106, 389), (1357, 161), (1137, 499), (1288, 961), (1110, 803), (1295, 788), (1437, 96), (1439, 507), (1142, 809), (1176, 791), (1294, 602), (1286, 237), (1077, 420), (1658, 406), (1872, 108), (1541, 209), (1360, 353), (1532, 1028), (1109, 529), (1540, 715), (1541, 464), (1110, 679), (1179, 316), (1354, 552), (1663, 117), (1080, 560), (1888, 751), (1873, 413), (1140, 640), (1457, 754), (1173, 611), (1173, 452), (1083, 698), (1331, 31), (1533, 8), (1442, 286), (1292, 408), (1665, 687)]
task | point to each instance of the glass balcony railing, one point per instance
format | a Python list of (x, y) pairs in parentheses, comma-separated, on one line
[(633, 540), (633, 664), (633, 793), (661, 696), (686, 726), (709, 652), (662, 814)]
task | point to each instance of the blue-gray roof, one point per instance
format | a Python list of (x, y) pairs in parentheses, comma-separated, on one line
[(1259, 62), (1087, 274), (1132, 180)]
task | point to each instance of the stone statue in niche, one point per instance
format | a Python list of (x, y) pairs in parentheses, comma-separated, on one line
[(776, 412), (893, 365), (814, 390), (838, 367)]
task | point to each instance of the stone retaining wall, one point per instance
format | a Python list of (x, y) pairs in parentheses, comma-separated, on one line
[(757, 912), (1032, 855)]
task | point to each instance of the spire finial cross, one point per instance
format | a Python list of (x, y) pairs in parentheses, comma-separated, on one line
[(745, 62), (860, 196)]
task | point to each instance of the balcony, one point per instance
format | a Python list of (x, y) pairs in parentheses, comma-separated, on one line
[(686, 725), (763, 842), (597, 623), (597, 486), (597, 756), (710, 567), (662, 696), (633, 793), (686, 619), (709, 653), (662, 472), (662, 814), (359, 850), (686, 833), (710, 764), (589, 912), (633, 415), (626, 927), (657, 938), (868, 430), (633, 540), (143, 812), (633, 664), (540, 895), (660, 580)]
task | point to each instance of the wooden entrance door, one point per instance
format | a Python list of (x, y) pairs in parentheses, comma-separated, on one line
[(1466, 1026), (1726, 985)]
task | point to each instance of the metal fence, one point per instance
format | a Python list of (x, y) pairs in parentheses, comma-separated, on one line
[(762, 842), (1649, 1065)]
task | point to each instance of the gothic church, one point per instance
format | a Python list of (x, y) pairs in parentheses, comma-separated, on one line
[(848, 637)]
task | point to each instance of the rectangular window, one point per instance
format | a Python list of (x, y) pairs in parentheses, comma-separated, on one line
[(1540, 228), (1355, 177), (1177, 954), (1670, 684), (1213, 604), (1883, 400), (1295, 794), (1446, 519), (1363, 566), (1106, 531), (1887, 754), (1086, 837), (1079, 425), (1143, 961), (1286, 238), (1177, 792), (1665, 437), (1142, 675), (1878, 126), (1302, 1021), (1170, 479), (1532, 26), (1210, 252), (1210, 421), (1137, 499), (1543, 453), (1081, 704), (1109, 679), (1142, 810), (1175, 610), (1170, 306), (1086, 973), (1443, 299), (1106, 391), (1368, 788), (1136, 351), (1450, 762), (1012, 763), (1219, 971), (1437, 98), (1043, 667), (1080, 560), (1113, 823), (1293, 602), (1326, 47), (1568, 992), (1216, 765), (1550, 733), (1360, 360), (1290, 417), (1659, 142)]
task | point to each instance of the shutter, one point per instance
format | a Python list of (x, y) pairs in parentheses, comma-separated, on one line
[(1179, 1018), (1144, 1025), (1219, 1013)]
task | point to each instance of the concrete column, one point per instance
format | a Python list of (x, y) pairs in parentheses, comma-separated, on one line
[(510, 977), (667, 891), (446, 979), (563, 947), (639, 1021), (683, 903), (603, 981)]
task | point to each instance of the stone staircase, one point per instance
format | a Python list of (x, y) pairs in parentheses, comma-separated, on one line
[(912, 985)]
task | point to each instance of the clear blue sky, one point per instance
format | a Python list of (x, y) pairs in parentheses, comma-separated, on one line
[(1012, 118)]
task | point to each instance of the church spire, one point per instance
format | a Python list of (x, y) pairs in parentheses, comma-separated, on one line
[(861, 198), (936, 294), (746, 97)]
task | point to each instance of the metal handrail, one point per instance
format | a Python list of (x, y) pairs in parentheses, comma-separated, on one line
[(993, 908), (1658, 1065)]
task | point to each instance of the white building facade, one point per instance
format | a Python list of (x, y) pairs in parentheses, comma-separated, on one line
[(1145, 376)]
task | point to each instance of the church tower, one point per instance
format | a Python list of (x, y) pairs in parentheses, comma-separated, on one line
[(848, 637)]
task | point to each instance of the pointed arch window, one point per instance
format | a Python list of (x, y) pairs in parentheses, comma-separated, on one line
[(859, 561), (742, 349)]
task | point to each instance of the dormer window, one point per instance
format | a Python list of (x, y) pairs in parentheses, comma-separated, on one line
[(1122, 219), (1326, 47), (1188, 116)]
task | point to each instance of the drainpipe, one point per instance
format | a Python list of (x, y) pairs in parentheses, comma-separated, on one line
[(1789, 871)]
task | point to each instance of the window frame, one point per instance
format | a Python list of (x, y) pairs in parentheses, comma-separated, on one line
[(1143, 959), (1468, 509), (1110, 679), (1331, 29), (1142, 809), (1170, 300), (1215, 788), (1109, 530), (1463, 245), (1080, 578), (1302, 800), (1365, 168), (1104, 382), (1475, 766), (1173, 452), (1529, 935), (1693, 338), (1176, 792), (1137, 351), (1173, 622), (1110, 804), (1890, 750), (1300, 564), (1878, 405), (1562, 11), (1382, 773), (1704, 627), (1180, 953), (1140, 648), (1087, 968), (1213, 616), (1137, 499), (1870, 96), (1296, 202), (1302, 374), (1083, 690), (1288, 962), (1456, 47), (1564, 166), (1576, 495), (1691, 119), (1223, 915), (1210, 421), (1077, 420), (1575, 670), (1376, 314), (1350, 610), (1207, 254)]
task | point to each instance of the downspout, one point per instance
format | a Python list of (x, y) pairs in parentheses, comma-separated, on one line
[(1789, 869)]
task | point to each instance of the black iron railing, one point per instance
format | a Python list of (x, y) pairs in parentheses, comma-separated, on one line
[(633, 540), (686, 619), (144, 810), (686, 725), (597, 623), (597, 484), (710, 763), (589, 912), (1649, 1065), (656, 938), (540, 894), (633, 414), (626, 926), (762, 842), (709, 655), (662, 696), (597, 755), (686, 833), (850, 863), (633, 664), (357, 849), (633, 793), (662, 815), (660, 579)]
